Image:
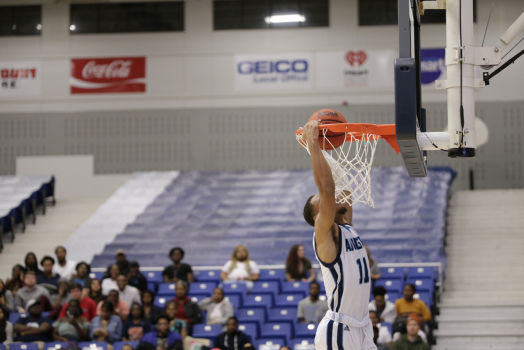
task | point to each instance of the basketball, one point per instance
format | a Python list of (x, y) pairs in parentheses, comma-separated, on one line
[(331, 140)]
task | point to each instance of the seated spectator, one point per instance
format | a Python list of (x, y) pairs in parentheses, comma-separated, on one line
[(232, 338), (136, 278), (411, 340), (384, 336), (30, 291), (17, 279), (375, 340), (297, 266), (240, 268), (219, 310), (31, 264), (73, 327), (187, 310), (373, 267), (64, 268), (127, 293), (121, 263), (48, 279), (311, 309), (6, 328), (59, 299), (385, 309), (136, 324), (33, 328), (6, 298), (81, 276), (151, 311), (163, 338), (109, 283), (106, 327), (285, 347), (175, 324), (177, 271), (408, 305), (95, 291), (120, 307), (88, 308)]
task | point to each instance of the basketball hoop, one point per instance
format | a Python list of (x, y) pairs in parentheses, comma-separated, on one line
[(351, 162)]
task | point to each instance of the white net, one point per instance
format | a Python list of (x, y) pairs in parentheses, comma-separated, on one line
[(351, 167)]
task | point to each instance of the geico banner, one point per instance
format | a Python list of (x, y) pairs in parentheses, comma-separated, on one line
[(355, 69), (273, 71), (108, 75), (432, 65), (19, 78)]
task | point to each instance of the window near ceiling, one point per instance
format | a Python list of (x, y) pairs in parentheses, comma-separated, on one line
[(20, 20)]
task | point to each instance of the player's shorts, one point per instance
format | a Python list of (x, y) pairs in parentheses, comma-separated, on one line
[(341, 332)]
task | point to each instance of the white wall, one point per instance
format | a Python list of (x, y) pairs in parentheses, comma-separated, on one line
[(193, 69)]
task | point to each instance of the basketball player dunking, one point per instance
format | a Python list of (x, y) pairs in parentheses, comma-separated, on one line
[(343, 260)]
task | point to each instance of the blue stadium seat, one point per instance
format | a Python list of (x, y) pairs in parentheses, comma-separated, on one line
[(166, 289), (276, 331), (425, 297), (54, 345), (302, 344), (421, 272), (296, 287), (255, 315), (288, 300), (422, 284), (197, 298), (23, 346), (152, 286), (283, 314), (250, 329), (2, 346), (306, 330), (14, 316), (239, 289), (394, 285), (202, 288), (272, 275), (118, 344), (207, 331), (161, 301), (264, 287), (154, 276), (388, 325), (97, 275), (235, 300), (92, 345), (269, 344), (392, 296), (209, 276), (392, 273), (259, 300)]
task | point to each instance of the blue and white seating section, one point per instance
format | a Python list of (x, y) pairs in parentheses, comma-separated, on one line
[(19, 197)]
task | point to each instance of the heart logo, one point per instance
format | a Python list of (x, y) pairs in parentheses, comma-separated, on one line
[(353, 57)]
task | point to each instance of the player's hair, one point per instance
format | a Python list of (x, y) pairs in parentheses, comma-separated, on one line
[(234, 259), (293, 261), (379, 290), (309, 212), (412, 286), (179, 249)]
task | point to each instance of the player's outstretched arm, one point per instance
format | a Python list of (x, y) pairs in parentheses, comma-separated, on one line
[(324, 221)]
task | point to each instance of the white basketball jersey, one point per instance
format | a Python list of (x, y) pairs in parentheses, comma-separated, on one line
[(347, 279)]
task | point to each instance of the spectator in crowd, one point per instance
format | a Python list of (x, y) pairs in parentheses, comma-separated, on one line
[(373, 266), (163, 338), (240, 268), (64, 268), (375, 339), (106, 327), (73, 327), (35, 327), (109, 283), (88, 308), (127, 293), (384, 336), (297, 266), (121, 263), (411, 340), (151, 311), (136, 324), (30, 291), (385, 309), (232, 338), (31, 263), (17, 279), (136, 278), (285, 347), (95, 291), (81, 276), (187, 310), (48, 279), (218, 309), (120, 309), (177, 271), (312, 309), (408, 304), (6, 328), (59, 299), (6, 298), (175, 324)]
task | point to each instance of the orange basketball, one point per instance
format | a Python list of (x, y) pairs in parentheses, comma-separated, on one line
[(329, 116)]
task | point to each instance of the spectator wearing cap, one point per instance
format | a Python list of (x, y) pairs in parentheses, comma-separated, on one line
[(127, 293), (64, 268), (136, 278), (232, 338), (30, 291), (411, 340), (408, 304), (81, 276), (384, 336), (121, 262), (218, 309), (163, 337), (187, 310), (34, 327), (107, 327), (311, 309), (73, 327), (48, 279), (87, 305), (120, 309), (177, 271), (109, 283), (385, 309)]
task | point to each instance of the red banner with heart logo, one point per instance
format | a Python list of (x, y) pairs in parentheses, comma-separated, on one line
[(353, 57)]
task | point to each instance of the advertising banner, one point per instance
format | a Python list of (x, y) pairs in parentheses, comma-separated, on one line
[(108, 75), (432, 65), (19, 78)]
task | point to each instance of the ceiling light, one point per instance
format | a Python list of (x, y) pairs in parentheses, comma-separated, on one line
[(39, 27), (72, 27), (285, 18)]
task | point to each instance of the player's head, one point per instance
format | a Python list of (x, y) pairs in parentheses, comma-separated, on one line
[(409, 291), (312, 206), (314, 289), (379, 295), (413, 324), (373, 317)]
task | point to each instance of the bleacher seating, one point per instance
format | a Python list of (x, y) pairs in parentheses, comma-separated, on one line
[(119, 344), (207, 331), (92, 345), (54, 345)]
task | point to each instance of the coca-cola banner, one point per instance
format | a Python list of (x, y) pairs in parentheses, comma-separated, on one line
[(108, 75), (19, 78)]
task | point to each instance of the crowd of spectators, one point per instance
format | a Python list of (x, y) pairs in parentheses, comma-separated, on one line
[(62, 302)]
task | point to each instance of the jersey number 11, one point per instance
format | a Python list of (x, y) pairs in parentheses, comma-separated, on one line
[(366, 272)]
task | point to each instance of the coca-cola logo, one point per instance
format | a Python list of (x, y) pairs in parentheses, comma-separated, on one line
[(116, 69), (353, 57)]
